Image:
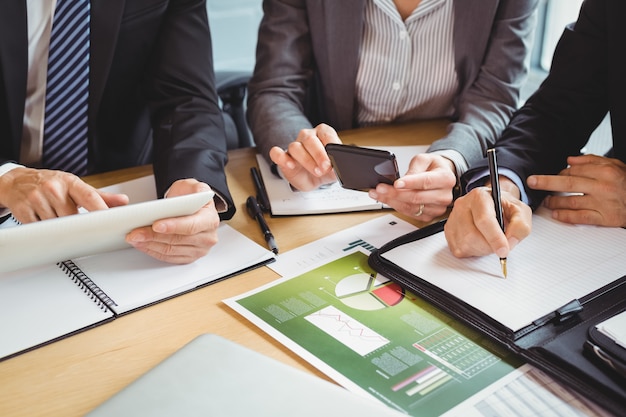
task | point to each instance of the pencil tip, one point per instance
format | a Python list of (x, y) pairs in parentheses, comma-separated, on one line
[(503, 264)]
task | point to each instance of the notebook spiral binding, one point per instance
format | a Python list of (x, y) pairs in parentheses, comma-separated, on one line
[(89, 287)]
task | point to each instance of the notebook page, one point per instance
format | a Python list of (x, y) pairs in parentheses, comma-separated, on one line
[(556, 264), (40, 304), (133, 279)]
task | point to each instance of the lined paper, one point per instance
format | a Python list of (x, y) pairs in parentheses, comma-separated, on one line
[(556, 264)]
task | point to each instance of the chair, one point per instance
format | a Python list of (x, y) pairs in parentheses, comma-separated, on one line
[(232, 87)]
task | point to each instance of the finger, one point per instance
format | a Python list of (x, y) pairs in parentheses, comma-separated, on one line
[(174, 254), (560, 183), (281, 158), (114, 200), (310, 154), (205, 219), (518, 219), (84, 195), (327, 134)]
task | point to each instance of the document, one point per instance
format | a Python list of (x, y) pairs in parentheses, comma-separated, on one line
[(376, 339), (556, 264), (287, 201), (41, 304)]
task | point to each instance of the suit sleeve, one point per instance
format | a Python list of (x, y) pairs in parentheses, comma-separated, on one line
[(484, 108), (189, 137), (284, 69), (558, 119)]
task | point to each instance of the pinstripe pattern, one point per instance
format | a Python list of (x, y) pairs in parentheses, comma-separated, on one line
[(65, 125), (406, 69)]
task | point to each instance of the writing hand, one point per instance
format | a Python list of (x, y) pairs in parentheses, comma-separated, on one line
[(425, 189), (183, 239), (305, 164), (595, 191), (473, 230), (39, 194)]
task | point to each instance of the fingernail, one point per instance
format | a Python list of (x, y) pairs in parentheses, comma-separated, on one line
[(513, 242), (502, 252), (159, 228), (531, 181), (399, 184), (373, 194), (326, 166), (137, 237)]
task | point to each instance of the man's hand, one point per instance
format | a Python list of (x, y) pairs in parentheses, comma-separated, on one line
[(180, 240), (594, 188), (424, 191), (473, 230), (306, 164), (39, 194)]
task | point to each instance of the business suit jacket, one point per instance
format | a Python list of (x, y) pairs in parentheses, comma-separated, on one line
[(587, 78), (307, 58), (151, 75)]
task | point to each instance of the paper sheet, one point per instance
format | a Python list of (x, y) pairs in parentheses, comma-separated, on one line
[(556, 264)]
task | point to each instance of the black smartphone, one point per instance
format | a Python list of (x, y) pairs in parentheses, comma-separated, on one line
[(359, 168)]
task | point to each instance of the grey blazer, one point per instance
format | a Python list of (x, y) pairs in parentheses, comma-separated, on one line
[(307, 57)]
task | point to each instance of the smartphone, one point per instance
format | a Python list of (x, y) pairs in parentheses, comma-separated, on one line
[(360, 168)]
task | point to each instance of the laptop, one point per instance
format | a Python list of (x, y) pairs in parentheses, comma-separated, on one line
[(212, 376)]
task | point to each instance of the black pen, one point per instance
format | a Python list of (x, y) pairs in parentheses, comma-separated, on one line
[(262, 197), (495, 193), (254, 210)]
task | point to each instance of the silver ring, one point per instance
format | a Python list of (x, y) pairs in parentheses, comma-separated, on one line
[(420, 211)]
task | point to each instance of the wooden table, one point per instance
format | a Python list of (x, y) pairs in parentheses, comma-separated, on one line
[(72, 376)]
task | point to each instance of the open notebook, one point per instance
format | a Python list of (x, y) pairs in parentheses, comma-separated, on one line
[(40, 304), (212, 376)]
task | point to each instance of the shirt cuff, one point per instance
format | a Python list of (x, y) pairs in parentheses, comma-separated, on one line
[(478, 179), (4, 168), (457, 159)]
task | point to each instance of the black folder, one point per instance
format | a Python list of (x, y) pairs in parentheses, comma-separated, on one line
[(554, 343)]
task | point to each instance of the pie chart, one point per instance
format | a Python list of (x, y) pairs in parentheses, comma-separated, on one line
[(366, 292)]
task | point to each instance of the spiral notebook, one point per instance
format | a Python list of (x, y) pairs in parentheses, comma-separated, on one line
[(41, 304)]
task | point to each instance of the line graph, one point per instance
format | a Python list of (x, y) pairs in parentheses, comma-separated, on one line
[(347, 330)]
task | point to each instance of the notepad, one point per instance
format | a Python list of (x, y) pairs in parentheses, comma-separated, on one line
[(212, 376), (287, 201), (556, 264), (44, 303)]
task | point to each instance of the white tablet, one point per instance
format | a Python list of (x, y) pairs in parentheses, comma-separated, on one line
[(55, 240)]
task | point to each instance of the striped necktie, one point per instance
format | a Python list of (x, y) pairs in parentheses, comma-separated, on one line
[(65, 126)]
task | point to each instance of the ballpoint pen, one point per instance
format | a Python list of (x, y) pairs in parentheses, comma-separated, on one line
[(262, 197), (495, 193), (254, 210)]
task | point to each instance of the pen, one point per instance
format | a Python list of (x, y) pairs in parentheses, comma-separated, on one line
[(262, 197), (495, 193), (254, 210)]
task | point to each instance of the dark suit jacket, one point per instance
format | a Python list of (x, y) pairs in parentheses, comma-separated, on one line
[(152, 90), (587, 78), (312, 47)]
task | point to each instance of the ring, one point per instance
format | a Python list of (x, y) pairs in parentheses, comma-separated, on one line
[(420, 211)]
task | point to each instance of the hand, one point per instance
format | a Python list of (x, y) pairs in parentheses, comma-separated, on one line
[(597, 191), (424, 191), (180, 240), (305, 164), (473, 230), (39, 194)]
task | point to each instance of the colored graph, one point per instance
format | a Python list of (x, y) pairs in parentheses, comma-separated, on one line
[(366, 292)]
